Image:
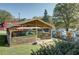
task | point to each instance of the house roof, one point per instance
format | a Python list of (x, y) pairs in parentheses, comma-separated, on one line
[(35, 23), (36, 20)]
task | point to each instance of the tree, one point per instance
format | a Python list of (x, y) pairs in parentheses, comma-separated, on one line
[(36, 17), (45, 18), (5, 15), (23, 19), (66, 13)]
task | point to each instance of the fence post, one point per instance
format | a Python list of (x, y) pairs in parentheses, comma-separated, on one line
[(8, 37)]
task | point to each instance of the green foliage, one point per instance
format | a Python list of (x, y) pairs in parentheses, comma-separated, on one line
[(67, 13), (46, 17), (37, 17), (59, 24), (61, 48), (3, 40), (5, 15)]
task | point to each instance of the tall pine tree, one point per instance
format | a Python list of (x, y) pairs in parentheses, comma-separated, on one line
[(46, 17)]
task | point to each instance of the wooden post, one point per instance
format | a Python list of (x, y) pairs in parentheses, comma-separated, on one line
[(36, 33), (8, 37), (51, 33)]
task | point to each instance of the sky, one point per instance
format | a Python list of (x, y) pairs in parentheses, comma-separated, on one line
[(28, 10)]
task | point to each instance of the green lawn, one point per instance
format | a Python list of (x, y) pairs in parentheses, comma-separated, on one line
[(22, 49), (2, 32)]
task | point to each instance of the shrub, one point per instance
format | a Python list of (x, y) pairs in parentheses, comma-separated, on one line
[(3, 40), (61, 48)]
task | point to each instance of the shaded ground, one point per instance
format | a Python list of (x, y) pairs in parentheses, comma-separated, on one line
[(2, 38)]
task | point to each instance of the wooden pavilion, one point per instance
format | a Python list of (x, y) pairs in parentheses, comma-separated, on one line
[(43, 30)]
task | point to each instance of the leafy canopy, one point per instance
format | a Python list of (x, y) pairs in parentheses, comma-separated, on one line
[(5, 15), (67, 13)]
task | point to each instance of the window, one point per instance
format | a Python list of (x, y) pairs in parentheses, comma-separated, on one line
[(46, 30)]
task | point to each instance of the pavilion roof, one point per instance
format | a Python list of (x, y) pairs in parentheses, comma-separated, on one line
[(34, 23)]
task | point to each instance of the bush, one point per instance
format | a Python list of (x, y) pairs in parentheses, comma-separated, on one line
[(3, 40), (61, 48)]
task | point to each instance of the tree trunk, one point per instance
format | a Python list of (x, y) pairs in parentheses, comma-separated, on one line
[(67, 29)]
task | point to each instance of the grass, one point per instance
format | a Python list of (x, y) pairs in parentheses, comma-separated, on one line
[(2, 32), (23, 49)]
